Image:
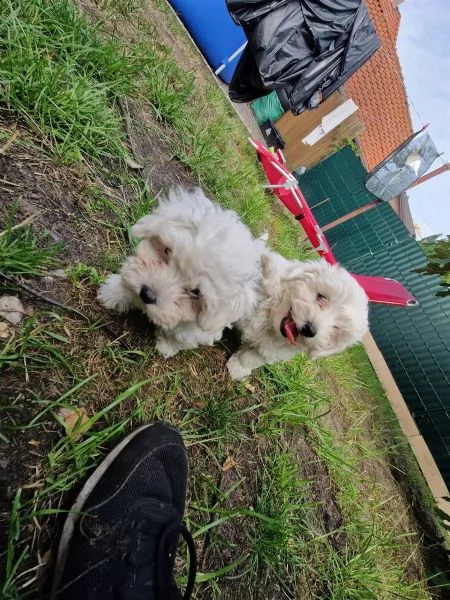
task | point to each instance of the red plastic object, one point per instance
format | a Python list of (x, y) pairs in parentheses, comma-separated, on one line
[(284, 185), (382, 290)]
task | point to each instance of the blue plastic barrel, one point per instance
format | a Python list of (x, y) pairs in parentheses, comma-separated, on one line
[(220, 40)]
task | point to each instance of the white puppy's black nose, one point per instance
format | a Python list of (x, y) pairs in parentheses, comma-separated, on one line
[(147, 295), (308, 330)]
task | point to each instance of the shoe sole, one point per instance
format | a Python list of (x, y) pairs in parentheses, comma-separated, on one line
[(77, 507)]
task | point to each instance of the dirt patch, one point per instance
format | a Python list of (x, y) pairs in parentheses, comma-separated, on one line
[(232, 540), (145, 135), (38, 186), (321, 490)]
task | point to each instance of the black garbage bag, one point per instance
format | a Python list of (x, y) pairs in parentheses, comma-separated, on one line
[(304, 49)]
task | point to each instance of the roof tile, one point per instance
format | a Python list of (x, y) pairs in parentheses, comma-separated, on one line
[(379, 90)]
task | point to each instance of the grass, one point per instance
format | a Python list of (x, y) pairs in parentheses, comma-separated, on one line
[(13, 560), (368, 565), (24, 252), (290, 485), (216, 417), (63, 76), (60, 75), (278, 541), (82, 274), (363, 554), (36, 346)]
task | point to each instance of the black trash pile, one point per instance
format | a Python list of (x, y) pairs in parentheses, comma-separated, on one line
[(304, 49)]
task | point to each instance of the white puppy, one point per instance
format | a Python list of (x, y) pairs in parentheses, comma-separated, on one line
[(309, 307), (195, 271)]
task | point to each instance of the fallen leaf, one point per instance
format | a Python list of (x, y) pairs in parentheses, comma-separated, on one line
[(132, 163), (251, 388), (200, 404), (228, 464), (34, 443), (75, 422), (5, 331), (11, 309)]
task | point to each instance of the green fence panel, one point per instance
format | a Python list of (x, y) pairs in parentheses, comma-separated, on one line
[(415, 342), (333, 187)]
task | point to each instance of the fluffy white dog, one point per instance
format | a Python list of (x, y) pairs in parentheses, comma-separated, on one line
[(195, 271), (310, 307)]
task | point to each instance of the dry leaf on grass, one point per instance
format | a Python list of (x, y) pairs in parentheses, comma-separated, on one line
[(75, 421), (251, 388), (132, 163), (5, 331), (229, 463)]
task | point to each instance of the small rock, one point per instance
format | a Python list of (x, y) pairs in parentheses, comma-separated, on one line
[(59, 273), (11, 309)]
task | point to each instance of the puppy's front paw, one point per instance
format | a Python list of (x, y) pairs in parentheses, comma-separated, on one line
[(165, 347), (113, 295), (236, 370)]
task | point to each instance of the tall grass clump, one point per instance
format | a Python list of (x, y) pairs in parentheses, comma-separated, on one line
[(61, 74)]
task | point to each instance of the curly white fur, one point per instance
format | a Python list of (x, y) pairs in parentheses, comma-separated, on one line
[(195, 271), (321, 300)]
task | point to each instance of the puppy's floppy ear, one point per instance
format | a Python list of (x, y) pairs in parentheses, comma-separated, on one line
[(149, 249), (213, 318), (147, 227), (216, 314)]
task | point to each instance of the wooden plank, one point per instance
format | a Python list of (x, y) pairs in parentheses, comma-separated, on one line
[(294, 128)]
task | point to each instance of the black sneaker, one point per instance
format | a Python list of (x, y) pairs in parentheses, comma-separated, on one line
[(121, 536)]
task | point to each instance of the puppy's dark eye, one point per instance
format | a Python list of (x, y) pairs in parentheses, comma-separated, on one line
[(167, 252), (195, 293), (321, 298)]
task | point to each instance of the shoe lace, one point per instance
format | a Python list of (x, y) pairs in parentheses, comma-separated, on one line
[(165, 558), (135, 584)]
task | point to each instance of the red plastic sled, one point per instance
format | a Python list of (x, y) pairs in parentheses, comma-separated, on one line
[(284, 185)]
